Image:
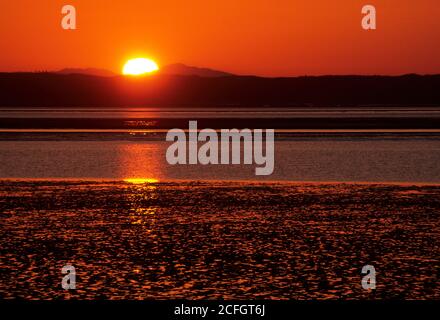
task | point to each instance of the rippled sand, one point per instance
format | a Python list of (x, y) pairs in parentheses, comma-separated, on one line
[(218, 240)]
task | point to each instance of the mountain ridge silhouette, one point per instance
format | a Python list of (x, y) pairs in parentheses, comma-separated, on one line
[(170, 69)]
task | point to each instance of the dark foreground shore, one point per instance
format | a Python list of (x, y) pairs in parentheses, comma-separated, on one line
[(218, 240)]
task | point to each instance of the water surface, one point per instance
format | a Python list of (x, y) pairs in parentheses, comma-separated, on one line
[(299, 156)]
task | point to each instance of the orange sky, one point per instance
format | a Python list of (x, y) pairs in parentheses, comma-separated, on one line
[(271, 38)]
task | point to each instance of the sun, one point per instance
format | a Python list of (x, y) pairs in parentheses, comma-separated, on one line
[(139, 66)]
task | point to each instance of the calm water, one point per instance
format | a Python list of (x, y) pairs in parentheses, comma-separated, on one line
[(298, 157)]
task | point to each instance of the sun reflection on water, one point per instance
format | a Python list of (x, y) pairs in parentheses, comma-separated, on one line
[(142, 211), (141, 180), (140, 170)]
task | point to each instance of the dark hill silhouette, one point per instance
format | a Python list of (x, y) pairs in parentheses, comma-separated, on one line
[(179, 69), (184, 70), (59, 90), (87, 71)]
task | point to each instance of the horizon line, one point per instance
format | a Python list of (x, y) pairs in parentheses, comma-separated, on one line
[(115, 74)]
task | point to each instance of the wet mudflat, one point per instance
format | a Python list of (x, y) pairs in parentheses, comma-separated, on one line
[(238, 240)]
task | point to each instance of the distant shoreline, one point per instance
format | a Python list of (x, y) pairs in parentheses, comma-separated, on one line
[(78, 90), (218, 123)]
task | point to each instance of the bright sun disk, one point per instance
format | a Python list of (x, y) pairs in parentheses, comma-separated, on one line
[(139, 66)]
